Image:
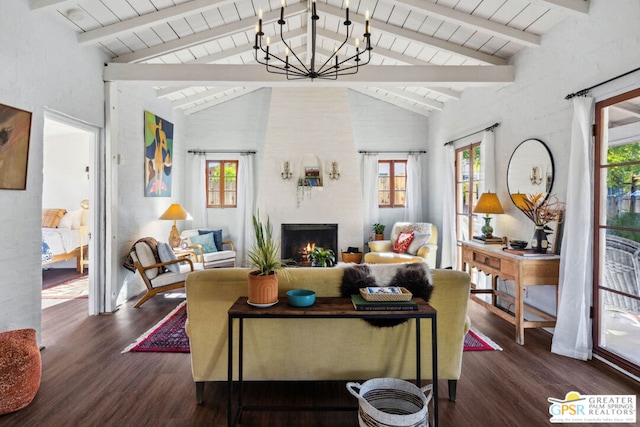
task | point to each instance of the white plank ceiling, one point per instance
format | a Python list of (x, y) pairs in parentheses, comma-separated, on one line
[(199, 53)]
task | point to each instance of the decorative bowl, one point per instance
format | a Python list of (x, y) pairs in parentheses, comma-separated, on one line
[(518, 244), (301, 297)]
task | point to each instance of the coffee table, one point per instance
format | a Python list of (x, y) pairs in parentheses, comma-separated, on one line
[(324, 308)]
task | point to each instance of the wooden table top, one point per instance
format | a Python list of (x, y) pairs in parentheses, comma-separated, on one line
[(325, 307)]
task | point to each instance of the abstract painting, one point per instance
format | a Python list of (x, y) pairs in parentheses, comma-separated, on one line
[(15, 128), (158, 156)]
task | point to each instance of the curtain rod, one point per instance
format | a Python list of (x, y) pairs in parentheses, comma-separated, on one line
[(393, 151), (490, 129), (585, 91), (200, 151)]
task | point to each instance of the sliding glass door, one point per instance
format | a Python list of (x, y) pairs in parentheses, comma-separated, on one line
[(617, 231)]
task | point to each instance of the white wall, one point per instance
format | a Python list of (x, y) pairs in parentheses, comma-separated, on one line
[(137, 215), (580, 52), (42, 67), (241, 124)]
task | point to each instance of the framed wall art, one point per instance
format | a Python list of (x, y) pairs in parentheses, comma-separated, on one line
[(15, 129), (158, 156)]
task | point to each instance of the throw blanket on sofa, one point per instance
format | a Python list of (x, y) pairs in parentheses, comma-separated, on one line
[(415, 277), (153, 244)]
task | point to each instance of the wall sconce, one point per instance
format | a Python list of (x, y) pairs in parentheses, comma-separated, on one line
[(286, 170), (536, 176), (334, 173)]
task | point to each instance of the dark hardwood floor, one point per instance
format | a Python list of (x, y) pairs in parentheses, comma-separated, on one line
[(86, 380)]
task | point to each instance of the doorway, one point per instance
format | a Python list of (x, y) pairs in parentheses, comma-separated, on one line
[(69, 167), (616, 293)]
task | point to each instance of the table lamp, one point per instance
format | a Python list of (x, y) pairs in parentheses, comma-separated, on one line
[(488, 204), (174, 213)]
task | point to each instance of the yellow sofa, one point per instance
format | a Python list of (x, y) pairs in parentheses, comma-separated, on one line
[(319, 349), (381, 250)]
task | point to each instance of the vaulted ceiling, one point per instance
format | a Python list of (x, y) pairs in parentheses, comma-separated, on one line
[(199, 53)]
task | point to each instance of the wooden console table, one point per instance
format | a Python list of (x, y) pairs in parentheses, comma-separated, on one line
[(324, 308), (524, 271)]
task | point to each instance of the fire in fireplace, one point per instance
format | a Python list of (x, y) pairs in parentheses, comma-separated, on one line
[(300, 239)]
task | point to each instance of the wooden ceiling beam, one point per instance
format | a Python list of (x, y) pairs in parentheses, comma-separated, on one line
[(573, 6), (255, 75), (427, 102), (49, 5), (422, 39), (93, 37), (205, 36), (238, 93), (372, 92), (474, 22)]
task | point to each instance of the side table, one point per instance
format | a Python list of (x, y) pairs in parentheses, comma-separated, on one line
[(324, 308)]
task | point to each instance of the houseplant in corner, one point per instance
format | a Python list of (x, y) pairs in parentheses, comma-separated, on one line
[(320, 257), (263, 258), (378, 229)]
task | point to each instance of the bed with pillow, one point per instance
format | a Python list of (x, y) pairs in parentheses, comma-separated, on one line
[(212, 249), (64, 236)]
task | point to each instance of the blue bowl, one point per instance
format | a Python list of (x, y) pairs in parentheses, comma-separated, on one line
[(301, 297)]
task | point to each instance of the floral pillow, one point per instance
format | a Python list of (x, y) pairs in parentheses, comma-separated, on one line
[(402, 242)]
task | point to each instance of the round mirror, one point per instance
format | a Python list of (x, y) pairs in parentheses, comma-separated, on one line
[(530, 169)]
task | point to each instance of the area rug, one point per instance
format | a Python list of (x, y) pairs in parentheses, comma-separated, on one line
[(70, 290), (168, 335), (57, 276), (477, 341)]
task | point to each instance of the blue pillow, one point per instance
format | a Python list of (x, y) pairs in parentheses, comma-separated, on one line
[(166, 254), (206, 241), (217, 237)]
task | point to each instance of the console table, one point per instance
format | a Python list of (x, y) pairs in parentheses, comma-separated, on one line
[(523, 270), (324, 308)]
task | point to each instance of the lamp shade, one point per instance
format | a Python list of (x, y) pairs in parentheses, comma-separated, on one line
[(175, 212), (488, 204)]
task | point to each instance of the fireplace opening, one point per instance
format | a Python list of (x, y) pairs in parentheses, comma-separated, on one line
[(299, 239)]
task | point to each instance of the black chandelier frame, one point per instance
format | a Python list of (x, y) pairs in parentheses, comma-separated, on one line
[(330, 69)]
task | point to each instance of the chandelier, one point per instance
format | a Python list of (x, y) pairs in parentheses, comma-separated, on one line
[(330, 69)]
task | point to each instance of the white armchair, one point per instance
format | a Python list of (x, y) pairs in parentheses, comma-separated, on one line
[(222, 254), (423, 247)]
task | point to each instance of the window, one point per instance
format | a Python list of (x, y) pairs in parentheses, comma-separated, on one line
[(222, 188), (467, 188), (392, 183)]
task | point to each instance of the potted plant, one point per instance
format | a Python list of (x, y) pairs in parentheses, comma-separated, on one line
[(378, 229), (320, 257), (263, 258)]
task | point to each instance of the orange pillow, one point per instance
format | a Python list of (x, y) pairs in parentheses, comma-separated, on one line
[(402, 242)]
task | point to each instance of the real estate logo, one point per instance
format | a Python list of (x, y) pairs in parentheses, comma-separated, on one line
[(605, 408)]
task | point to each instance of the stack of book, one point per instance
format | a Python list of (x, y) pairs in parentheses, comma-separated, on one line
[(487, 240), (361, 304), (312, 176)]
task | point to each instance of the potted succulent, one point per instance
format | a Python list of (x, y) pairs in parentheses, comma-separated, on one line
[(378, 229), (320, 257), (263, 258)]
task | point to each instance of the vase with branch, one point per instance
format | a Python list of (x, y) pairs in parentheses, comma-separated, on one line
[(541, 211)]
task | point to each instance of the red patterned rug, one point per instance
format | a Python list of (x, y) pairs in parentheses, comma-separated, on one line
[(477, 341), (168, 335)]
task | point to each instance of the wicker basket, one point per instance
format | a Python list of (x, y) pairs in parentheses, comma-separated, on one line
[(355, 257), (386, 402), (405, 295)]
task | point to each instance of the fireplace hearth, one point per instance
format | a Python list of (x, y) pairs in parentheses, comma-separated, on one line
[(299, 239)]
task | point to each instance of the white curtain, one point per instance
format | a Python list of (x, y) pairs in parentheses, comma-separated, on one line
[(369, 192), (572, 335), (449, 246), (246, 206), (488, 162), (197, 198), (413, 201)]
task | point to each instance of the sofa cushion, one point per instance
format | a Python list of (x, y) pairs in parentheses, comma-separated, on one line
[(166, 254), (419, 239), (217, 237), (402, 242), (206, 241), (146, 257)]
